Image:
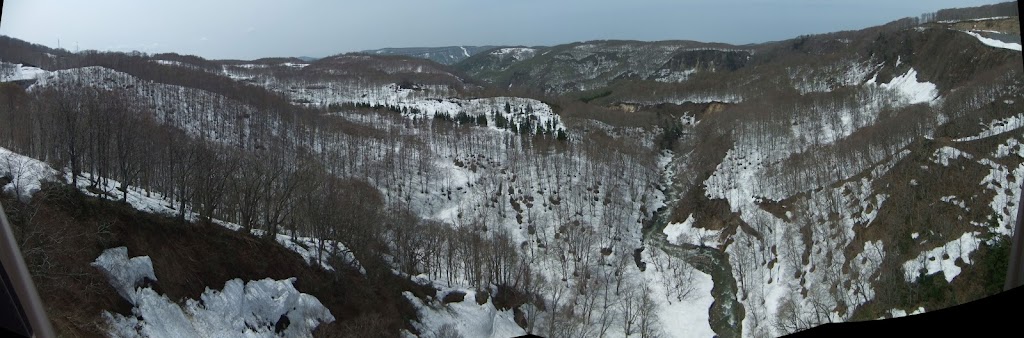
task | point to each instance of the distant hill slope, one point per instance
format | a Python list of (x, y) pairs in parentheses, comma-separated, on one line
[(443, 55), (589, 65), (581, 67)]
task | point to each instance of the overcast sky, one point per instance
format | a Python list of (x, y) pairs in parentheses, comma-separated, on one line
[(251, 29)]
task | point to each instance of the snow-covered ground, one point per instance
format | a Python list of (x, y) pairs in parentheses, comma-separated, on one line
[(897, 313), (1005, 182), (946, 154), (467, 317), (240, 309), (26, 174), (685, 233), (943, 259), (683, 309)]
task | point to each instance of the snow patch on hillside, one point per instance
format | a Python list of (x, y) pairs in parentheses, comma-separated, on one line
[(516, 53), (26, 174), (669, 76), (125, 274), (17, 72), (943, 259), (952, 199), (946, 154), (468, 317), (178, 64), (996, 127), (1010, 147), (239, 310), (994, 42), (425, 103), (897, 313), (1007, 193), (910, 90)]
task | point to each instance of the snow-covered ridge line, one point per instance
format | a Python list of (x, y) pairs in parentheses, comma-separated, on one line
[(730, 50), (176, 63), (994, 42), (425, 103), (976, 20), (512, 109)]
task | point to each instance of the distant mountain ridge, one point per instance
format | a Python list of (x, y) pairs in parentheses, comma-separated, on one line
[(591, 65), (444, 55)]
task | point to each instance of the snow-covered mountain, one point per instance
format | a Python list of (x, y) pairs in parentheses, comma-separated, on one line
[(678, 188)]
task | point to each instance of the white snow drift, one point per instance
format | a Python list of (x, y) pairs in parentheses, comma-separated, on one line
[(240, 310), (26, 174)]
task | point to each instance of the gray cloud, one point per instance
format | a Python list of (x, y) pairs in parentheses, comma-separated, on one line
[(320, 28)]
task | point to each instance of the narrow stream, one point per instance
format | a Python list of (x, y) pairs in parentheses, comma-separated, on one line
[(726, 313)]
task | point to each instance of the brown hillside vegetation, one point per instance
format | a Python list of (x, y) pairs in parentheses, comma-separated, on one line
[(62, 231)]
